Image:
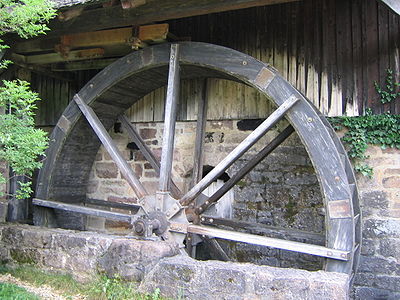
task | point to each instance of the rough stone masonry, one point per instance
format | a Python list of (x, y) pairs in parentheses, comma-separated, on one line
[(154, 264)]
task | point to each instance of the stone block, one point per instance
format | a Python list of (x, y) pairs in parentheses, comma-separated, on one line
[(4, 255), (392, 171), (391, 182), (113, 187), (378, 228), (370, 293), (390, 248), (106, 170), (220, 280), (387, 282), (374, 200), (368, 247), (377, 265), (95, 223), (121, 199), (130, 258), (148, 133), (3, 211)]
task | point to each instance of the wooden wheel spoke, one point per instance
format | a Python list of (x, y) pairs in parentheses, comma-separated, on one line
[(265, 230), (279, 139), (170, 120), (269, 242), (246, 144), (215, 249), (111, 148), (147, 153)]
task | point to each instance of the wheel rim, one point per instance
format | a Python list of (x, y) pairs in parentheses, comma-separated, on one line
[(64, 175)]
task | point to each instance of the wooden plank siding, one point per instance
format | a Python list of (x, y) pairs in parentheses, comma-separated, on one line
[(331, 50)]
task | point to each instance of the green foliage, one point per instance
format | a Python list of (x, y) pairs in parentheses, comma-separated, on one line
[(115, 288), (27, 18), (388, 93), (382, 130), (9, 291), (20, 143)]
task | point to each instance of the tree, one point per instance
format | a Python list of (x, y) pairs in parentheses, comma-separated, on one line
[(20, 143)]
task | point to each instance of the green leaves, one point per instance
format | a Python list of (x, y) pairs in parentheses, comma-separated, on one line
[(27, 18), (383, 130), (388, 93), (18, 98), (20, 143)]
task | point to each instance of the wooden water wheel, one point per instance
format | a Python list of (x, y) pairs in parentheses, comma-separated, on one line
[(169, 213)]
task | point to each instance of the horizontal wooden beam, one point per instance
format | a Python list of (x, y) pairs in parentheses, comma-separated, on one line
[(154, 33), (262, 241), (110, 204), (85, 210), (56, 57), (95, 64), (152, 11), (265, 230)]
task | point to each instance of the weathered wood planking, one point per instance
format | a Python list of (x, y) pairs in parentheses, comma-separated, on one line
[(330, 50)]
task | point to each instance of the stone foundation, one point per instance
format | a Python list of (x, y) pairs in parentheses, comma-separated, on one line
[(156, 265)]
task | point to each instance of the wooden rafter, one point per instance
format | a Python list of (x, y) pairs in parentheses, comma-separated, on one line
[(148, 33), (151, 11)]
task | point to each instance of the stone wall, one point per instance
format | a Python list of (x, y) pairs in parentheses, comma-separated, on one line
[(155, 264), (379, 271)]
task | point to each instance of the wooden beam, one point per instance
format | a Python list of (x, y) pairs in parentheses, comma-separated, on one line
[(171, 104), (84, 210), (56, 57), (111, 148), (96, 64), (154, 33), (265, 230), (46, 72), (109, 204), (263, 241), (152, 11)]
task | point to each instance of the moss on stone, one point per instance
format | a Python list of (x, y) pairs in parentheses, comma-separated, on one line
[(22, 256), (291, 211)]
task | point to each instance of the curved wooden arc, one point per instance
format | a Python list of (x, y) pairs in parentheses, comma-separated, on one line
[(65, 174)]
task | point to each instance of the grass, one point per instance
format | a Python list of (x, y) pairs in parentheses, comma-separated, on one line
[(9, 291), (103, 288)]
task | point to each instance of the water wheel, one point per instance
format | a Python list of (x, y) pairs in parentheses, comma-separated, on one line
[(169, 213)]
